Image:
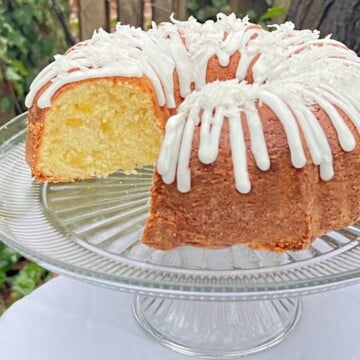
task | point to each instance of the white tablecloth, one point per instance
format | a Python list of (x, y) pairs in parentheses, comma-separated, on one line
[(70, 320)]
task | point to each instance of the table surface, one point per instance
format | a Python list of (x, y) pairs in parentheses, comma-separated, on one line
[(67, 319)]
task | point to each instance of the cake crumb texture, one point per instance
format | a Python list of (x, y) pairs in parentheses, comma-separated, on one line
[(94, 128)]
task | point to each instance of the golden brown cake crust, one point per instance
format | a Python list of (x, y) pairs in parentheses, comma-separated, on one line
[(285, 210)]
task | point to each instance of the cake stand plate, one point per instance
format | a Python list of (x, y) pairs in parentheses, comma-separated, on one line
[(212, 303)]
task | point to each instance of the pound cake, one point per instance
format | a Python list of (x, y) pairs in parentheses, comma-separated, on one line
[(254, 133)]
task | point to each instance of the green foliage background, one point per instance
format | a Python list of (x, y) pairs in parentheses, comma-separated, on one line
[(18, 277), (30, 34)]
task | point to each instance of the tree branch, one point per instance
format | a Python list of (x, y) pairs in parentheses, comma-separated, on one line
[(60, 17)]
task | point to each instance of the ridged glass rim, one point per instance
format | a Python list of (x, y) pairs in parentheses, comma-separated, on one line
[(175, 269), (259, 290)]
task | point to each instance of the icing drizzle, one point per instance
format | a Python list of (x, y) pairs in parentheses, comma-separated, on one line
[(232, 100), (156, 53), (292, 70)]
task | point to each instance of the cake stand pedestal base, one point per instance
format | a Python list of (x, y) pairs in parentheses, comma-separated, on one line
[(216, 330)]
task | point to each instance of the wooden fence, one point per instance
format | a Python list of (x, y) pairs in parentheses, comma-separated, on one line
[(102, 13), (93, 14)]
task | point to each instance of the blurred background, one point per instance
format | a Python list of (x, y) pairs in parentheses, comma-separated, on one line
[(33, 31)]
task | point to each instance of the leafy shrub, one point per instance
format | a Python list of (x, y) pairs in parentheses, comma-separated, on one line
[(30, 34), (18, 277)]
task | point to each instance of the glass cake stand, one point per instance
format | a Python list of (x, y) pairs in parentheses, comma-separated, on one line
[(211, 303)]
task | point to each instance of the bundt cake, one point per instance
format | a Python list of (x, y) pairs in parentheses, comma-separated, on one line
[(254, 133)]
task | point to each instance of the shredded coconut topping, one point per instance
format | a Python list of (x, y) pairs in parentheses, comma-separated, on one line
[(292, 71)]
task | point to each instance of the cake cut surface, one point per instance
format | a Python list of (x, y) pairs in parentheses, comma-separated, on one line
[(91, 131), (255, 134)]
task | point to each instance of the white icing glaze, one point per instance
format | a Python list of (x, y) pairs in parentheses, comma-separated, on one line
[(239, 156), (282, 111), (293, 104), (210, 135), (292, 70), (258, 143), (131, 52), (183, 169)]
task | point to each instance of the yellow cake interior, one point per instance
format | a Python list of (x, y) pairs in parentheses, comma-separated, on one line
[(104, 124)]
